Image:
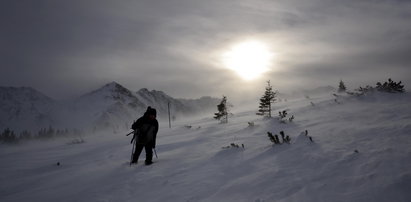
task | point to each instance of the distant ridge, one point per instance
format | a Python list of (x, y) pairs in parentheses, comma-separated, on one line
[(110, 107)]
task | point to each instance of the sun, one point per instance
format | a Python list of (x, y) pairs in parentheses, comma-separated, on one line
[(249, 59)]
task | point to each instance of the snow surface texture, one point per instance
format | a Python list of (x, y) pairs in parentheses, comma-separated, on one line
[(361, 152)]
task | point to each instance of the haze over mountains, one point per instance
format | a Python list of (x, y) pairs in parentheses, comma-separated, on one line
[(110, 107)]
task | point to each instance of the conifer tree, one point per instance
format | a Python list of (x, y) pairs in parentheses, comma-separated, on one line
[(266, 100), (222, 114), (341, 87)]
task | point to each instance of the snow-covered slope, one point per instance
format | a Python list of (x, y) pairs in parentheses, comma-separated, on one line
[(24, 107), (160, 100), (361, 152), (114, 106), (111, 106)]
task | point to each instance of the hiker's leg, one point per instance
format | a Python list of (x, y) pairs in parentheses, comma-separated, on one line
[(149, 153), (137, 152)]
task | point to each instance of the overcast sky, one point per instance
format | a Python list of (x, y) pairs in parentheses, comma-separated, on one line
[(66, 48)]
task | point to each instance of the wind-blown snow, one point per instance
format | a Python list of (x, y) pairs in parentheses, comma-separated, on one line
[(111, 107), (361, 152)]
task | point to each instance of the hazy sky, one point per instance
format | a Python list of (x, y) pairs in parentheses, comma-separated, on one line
[(66, 48)]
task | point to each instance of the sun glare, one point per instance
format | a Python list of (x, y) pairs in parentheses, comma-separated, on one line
[(248, 59)]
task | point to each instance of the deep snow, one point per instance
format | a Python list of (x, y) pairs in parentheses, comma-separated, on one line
[(193, 166)]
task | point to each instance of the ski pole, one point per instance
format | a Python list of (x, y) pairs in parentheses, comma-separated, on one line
[(132, 151), (130, 133), (155, 152)]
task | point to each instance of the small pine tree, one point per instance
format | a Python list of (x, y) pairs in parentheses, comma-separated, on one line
[(222, 114), (266, 100), (341, 87)]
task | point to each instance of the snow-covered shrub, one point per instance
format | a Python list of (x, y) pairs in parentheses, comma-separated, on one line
[(390, 87), (276, 140), (273, 138), (222, 114), (303, 139), (283, 116), (233, 145), (365, 90), (341, 87), (309, 137)]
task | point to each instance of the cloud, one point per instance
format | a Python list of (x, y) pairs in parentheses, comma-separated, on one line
[(173, 45)]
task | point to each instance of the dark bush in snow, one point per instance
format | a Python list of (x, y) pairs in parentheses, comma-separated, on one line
[(233, 145), (276, 140), (283, 116), (390, 87), (222, 114), (341, 87)]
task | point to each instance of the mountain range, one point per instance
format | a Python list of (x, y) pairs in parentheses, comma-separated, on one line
[(110, 107)]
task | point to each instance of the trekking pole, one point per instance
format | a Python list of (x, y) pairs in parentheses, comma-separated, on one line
[(130, 133), (132, 151), (155, 152)]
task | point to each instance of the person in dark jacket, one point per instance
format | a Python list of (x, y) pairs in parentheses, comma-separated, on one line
[(146, 128)]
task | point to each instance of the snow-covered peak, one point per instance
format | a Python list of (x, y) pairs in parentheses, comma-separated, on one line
[(153, 95), (113, 86), (105, 96), (110, 90), (145, 91)]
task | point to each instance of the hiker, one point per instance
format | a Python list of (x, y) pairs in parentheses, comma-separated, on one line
[(145, 133)]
